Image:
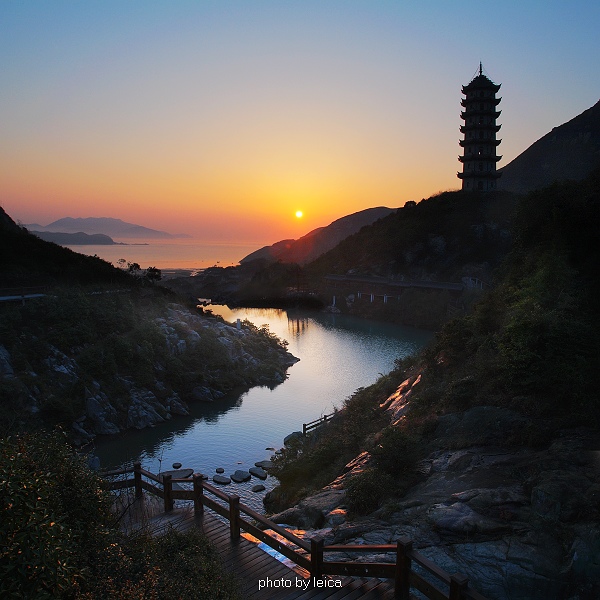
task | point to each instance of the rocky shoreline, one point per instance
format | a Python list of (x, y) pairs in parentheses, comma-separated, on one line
[(522, 523), (243, 353)]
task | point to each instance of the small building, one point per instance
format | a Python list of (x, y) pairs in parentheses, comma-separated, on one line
[(479, 143)]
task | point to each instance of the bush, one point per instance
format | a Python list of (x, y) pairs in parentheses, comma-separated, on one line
[(59, 538), (366, 491), (53, 514), (397, 452)]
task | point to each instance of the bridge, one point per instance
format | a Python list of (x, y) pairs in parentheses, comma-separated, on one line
[(234, 528), (372, 287)]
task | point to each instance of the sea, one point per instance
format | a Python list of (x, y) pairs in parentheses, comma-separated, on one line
[(174, 257)]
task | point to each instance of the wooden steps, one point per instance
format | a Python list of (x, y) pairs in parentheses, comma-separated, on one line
[(262, 576)]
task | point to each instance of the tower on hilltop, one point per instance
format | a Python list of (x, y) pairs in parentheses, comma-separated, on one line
[(479, 143)]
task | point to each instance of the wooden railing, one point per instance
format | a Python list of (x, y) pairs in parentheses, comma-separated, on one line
[(306, 427), (310, 555)]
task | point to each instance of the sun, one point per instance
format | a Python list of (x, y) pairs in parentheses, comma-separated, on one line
[(299, 214)]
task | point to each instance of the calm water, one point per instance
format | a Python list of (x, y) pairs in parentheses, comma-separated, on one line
[(338, 354), (172, 254)]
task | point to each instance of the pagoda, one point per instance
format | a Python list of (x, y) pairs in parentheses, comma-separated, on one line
[(479, 144)]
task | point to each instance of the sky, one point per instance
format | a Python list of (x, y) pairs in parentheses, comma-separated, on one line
[(221, 119)]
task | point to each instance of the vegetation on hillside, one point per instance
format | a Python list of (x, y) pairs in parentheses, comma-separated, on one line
[(530, 345), (65, 347), (443, 238)]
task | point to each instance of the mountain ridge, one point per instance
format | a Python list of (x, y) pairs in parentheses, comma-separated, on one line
[(569, 151), (320, 240), (104, 225)]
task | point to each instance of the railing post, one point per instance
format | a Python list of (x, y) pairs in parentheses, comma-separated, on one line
[(167, 490), (304, 429), (403, 568), (198, 494), (137, 477), (458, 584), (234, 517), (316, 556)]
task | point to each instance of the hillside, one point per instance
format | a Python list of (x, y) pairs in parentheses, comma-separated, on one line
[(27, 260), (445, 238), (317, 242), (568, 152), (484, 448), (102, 351), (441, 238)]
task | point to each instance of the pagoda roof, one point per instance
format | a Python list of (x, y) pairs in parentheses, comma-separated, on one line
[(481, 82)]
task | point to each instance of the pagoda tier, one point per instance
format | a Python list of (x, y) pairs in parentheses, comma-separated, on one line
[(472, 176), (494, 101), (479, 142), (480, 84), (479, 130), (480, 127), (472, 113), (479, 157)]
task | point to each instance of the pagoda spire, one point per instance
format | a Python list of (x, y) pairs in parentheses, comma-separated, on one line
[(479, 142)]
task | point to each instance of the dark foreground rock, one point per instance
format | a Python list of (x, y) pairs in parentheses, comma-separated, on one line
[(522, 523)]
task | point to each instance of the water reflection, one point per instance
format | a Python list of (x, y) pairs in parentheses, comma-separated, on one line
[(297, 326), (338, 354)]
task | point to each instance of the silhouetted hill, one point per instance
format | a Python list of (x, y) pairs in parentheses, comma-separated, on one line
[(320, 240), (569, 152), (27, 260), (75, 239), (105, 225), (445, 237)]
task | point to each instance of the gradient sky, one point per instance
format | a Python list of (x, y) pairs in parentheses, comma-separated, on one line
[(222, 118)]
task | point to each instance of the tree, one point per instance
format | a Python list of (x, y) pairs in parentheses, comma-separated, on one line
[(153, 274)]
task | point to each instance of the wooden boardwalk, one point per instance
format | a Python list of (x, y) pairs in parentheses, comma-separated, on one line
[(262, 576)]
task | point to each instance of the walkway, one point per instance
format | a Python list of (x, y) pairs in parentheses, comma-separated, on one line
[(254, 567)]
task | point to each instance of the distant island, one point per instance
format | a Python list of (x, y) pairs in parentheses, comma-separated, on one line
[(77, 239), (113, 228)]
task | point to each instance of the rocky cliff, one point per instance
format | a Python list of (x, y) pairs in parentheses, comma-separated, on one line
[(522, 523), (134, 378)]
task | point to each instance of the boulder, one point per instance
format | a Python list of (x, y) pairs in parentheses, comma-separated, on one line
[(177, 473), (264, 464), (460, 518), (312, 512), (240, 476), (201, 393), (295, 435), (221, 479), (258, 472), (102, 415), (258, 488)]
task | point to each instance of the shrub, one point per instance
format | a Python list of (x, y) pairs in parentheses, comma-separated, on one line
[(397, 452), (59, 538), (366, 491), (53, 513)]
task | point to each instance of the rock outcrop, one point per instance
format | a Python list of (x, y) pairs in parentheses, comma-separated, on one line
[(522, 523), (111, 404)]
